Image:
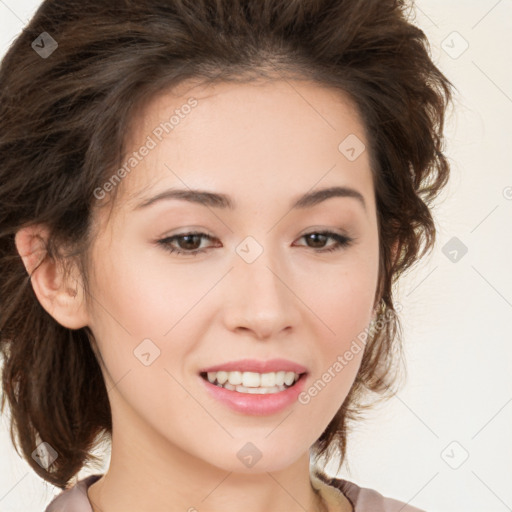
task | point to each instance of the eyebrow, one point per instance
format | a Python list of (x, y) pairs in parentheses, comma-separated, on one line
[(218, 200)]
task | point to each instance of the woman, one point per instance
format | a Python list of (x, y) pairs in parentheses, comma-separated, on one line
[(204, 207)]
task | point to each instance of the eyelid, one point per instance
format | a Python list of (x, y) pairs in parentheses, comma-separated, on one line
[(322, 229)]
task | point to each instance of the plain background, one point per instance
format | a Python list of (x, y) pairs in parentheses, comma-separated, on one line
[(443, 444)]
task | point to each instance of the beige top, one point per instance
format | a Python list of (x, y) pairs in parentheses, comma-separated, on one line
[(362, 499)]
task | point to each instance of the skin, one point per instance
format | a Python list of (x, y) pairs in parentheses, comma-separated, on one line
[(174, 447)]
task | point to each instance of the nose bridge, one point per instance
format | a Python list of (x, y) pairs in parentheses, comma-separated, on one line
[(262, 273), (261, 300), (259, 267)]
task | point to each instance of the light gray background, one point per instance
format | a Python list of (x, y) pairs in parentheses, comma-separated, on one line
[(457, 401)]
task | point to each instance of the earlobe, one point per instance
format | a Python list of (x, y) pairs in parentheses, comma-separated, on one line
[(61, 295)]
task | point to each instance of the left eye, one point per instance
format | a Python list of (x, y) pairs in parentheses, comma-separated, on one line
[(189, 243)]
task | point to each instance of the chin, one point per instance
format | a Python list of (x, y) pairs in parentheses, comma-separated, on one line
[(258, 456)]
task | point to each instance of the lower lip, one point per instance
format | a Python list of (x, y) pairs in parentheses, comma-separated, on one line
[(260, 405)]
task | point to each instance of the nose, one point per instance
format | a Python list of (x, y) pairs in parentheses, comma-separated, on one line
[(261, 300)]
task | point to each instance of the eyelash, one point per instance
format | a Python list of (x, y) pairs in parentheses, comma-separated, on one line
[(341, 242)]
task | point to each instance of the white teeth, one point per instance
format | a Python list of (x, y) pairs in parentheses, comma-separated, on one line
[(259, 391), (280, 378), (235, 378), (289, 378), (222, 377), (243, 389), (268, 380), (253, 382)]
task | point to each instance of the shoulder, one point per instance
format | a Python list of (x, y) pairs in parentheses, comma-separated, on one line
[(370, 500), (364, 499), (75, 498)]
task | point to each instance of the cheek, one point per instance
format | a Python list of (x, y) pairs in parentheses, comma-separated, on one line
[(146, 314), (147, 299), (344, 301), (136, 323), (345, 305)]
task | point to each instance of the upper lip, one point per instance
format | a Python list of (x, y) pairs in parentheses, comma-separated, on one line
[(253, 365)]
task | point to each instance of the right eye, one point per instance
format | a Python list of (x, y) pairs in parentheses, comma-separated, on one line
[(189, 243)]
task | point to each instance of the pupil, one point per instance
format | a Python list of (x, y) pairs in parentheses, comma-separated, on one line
[(315, 236), (189, 237)]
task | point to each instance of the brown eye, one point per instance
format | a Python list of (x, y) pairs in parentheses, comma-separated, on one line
[(319, 239), (188, 243)]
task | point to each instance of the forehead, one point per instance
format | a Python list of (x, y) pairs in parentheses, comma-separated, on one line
[(245, 139)]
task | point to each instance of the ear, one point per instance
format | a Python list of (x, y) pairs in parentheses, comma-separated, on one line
[(61, 296)]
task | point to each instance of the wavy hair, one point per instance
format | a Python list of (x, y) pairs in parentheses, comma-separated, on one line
[(63, 125)]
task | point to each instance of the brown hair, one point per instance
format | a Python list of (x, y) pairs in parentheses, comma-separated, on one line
[(63, 123)]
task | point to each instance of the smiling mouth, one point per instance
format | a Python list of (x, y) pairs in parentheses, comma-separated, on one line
[(253, 382)]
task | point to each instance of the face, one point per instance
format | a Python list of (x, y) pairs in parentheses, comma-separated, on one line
[(263, 286)]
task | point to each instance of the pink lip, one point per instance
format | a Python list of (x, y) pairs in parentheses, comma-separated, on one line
[(252, 365), (259, 405)]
